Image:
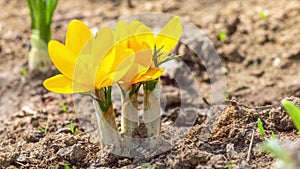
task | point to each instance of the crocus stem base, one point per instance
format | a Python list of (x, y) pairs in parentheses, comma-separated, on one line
[(152, 115), (38, 56), (130, 118), (108, 130)]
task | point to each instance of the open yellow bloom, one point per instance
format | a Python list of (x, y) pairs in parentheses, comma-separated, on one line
[(137, 33), (85, 62), (140, 38)]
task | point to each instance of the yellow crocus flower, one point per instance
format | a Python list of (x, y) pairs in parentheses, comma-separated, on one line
[(140, 38), (85, 62)]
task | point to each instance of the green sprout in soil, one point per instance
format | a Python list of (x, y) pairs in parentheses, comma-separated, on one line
[(72, 128), (66, 166), (272, 146), (293, 111), (146, 166), (44, 129), (41, 12), (222, 36), (24, 72), (261, 128), (64, 107), (227, 94), (230, 166), (262, 14)]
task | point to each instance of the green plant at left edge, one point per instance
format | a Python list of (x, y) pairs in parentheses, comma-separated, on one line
[(41, 12), (272, 145)]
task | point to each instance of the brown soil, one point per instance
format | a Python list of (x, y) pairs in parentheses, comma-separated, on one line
[(260, 59)]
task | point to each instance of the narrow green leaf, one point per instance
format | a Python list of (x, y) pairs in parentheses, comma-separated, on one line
[(102, 106), (150, 85), (51, 5), (261, 128), (42, 19), (170, 57), (293, 111), (272, 135), (72, 128), (32, 11)]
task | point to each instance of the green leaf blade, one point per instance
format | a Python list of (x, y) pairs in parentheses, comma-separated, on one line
[(261, 128), (293, 111)]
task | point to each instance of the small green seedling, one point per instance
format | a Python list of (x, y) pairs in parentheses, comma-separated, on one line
[(226, 94), (262, 14), (72, 129), (66, 166), (146, 166), (261, 128), (273, 147), (44, 129), (24, 72), (293, 111), (64, 107), (230, 166), (222, 36), (272, 135)]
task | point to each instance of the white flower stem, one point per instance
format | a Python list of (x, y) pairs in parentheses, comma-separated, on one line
[(108, 129), (130, 118), (152, 114), (38, 56), (109, 133)]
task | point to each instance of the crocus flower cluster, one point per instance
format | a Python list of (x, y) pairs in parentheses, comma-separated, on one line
[(130, 55)]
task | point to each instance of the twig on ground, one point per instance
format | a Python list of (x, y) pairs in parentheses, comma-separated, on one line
[(250, 145)]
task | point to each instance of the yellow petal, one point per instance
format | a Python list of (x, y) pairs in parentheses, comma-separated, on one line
[(95, 58), (145, 34), (106, 80), (168, 37), (143, 56), (77, 35), (102, 49), (63, 58), (63, 85), (121, 31), (149, 75), (133, 25)]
